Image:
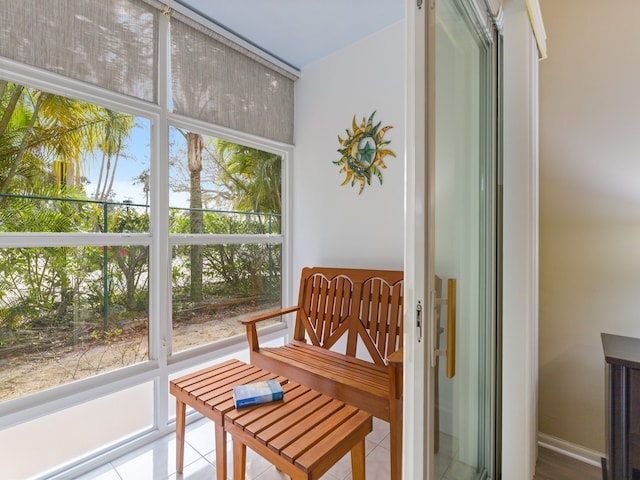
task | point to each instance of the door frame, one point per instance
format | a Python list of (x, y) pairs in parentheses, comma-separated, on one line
[(418, 377)]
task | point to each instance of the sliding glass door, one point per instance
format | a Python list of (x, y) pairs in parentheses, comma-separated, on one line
[(463, 248), (454, 271)]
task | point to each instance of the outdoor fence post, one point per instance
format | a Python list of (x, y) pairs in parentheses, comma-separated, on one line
[(105, 265), (270, 216)]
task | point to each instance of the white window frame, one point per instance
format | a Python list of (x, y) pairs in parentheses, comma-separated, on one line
[(161, 364)]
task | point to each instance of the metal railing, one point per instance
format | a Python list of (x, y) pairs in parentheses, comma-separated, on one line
[(109, 206)]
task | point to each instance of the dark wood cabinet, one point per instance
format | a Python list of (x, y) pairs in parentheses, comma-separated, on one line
[(622, 355)]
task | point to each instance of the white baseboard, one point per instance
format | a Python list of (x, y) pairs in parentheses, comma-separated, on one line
[(572, 450)]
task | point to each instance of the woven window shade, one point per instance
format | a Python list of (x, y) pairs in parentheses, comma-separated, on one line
[(112, 44), (213, 82)]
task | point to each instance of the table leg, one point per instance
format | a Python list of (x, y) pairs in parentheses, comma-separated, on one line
[(358, 461), (221, 452), (180, 421), (239, 460)]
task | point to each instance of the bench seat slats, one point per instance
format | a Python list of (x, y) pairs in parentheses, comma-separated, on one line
[(347, 373)]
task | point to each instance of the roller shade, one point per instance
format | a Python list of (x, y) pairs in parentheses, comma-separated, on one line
[(217, 78), (112, 44), (214, 82)]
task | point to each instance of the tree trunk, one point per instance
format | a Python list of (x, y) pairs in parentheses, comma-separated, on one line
[(11, 106), (107, 192), (3, 86), (97, 195), (195, 145), (23, 145)]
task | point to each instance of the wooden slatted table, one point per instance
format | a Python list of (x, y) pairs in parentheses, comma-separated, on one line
[(303, 436), (210, 392)]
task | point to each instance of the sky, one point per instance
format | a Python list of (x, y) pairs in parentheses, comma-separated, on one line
[(132, 164), (135, 161)]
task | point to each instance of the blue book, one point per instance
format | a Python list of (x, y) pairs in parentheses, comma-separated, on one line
[(257, 393)]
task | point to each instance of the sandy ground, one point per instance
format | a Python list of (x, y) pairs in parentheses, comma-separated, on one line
[(36, 371)]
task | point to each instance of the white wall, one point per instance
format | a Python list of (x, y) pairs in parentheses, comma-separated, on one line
[(520, 250), (333, 225), (32, 448), (589, 208)]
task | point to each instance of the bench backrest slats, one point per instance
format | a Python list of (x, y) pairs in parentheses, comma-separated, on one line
[(396, 312), (325, 308), (365, 303)]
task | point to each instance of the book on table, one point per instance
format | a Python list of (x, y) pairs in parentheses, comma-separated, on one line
[(256, 393)]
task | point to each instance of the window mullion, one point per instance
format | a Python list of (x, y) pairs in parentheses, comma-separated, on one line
[(160, 266)]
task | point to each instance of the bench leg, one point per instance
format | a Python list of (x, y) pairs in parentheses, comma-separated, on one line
[(180, 421), (395, 437), (221, 452), (358, 461), (239, 460)]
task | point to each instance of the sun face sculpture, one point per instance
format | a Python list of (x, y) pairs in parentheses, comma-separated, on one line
[(362, 152)]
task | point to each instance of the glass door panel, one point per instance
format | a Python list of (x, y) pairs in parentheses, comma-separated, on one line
[(460, 249)]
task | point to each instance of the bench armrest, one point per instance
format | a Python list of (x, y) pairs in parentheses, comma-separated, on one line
[(394, 363), (252, 331), (268, 315), (395, 359)]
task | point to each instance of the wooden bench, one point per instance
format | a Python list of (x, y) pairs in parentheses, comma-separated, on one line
[(303, 436), (344, 316)]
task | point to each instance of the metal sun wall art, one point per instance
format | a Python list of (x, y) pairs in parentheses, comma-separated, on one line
[(362, 152)]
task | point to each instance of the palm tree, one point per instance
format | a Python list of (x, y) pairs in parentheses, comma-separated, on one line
[(248, 180), (252, 176), (45, 143), (113, 136), (195, 147), (16, 132), (40, 128)]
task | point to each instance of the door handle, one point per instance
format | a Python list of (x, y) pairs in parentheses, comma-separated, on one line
[(450, 351)]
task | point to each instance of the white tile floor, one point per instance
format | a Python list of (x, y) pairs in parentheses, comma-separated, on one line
[(157, 461)]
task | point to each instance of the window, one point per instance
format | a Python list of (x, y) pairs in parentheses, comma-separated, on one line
[(226, 198), (69, 309)]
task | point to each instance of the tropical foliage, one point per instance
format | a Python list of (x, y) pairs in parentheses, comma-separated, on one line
[(48, 139)]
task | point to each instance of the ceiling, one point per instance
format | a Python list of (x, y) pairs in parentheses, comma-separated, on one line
[(300, 32)]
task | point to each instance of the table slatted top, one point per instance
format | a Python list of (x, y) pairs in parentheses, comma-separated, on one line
[(210, 390), (306, 428)]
